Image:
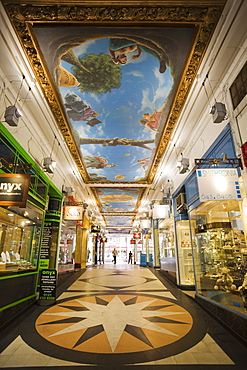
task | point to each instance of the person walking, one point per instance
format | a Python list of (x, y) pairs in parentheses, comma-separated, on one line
[(130, 257), (114, 253)]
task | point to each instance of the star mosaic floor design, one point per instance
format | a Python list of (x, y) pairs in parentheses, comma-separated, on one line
[(116, 280), (115, 324), (148, 324)]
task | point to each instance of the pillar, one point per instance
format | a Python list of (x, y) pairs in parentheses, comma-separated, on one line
[(156, 243)]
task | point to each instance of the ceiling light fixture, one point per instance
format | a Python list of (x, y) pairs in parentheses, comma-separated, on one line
[(49, 165), (12, 115), (218, 110), (68, 190), (183, 164)]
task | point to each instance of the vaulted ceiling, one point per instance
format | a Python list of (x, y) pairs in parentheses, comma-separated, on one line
[(116, 77)]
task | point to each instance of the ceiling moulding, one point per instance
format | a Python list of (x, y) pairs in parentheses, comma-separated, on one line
[(202, 15), (99, 204), (122, 3)]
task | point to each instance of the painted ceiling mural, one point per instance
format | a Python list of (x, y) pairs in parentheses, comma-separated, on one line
[(117, 88), (118, 200), (116, 91)]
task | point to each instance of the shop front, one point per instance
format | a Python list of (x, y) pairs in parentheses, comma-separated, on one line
[(168, 263), (67, 247), (74, 239), (26, 246), (220, 252), (216, 205)]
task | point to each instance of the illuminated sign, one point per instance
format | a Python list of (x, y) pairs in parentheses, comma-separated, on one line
[(95, 229), (73, 213), (14, 189), (160, 211), (137, 235), (48, 282), (218, 184)]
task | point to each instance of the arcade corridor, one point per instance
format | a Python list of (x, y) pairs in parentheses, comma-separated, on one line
[(115, 316)]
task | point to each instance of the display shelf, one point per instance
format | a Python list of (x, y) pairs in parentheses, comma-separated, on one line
[(218, 248)]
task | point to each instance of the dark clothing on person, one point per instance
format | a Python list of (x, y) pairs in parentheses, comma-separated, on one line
[(130, 257)]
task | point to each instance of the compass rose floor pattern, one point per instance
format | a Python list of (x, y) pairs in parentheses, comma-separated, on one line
[(115, 316)]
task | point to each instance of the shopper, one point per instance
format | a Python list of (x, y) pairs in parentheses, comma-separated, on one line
[(130, 257), (114, 253)]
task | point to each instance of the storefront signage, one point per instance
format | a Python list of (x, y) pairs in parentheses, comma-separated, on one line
[(48, 283), (95, 229), (160, 211), (73, 213), (14, 189), (46, 245), (132, 241), (137, 235), (218, 184)]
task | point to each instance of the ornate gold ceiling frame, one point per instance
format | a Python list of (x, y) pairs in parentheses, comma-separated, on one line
[(204, 16), (127, 213), (120, 214)]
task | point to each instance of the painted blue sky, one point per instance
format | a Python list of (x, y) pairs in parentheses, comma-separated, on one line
[(118, 221), (118, 200), (143, 90)]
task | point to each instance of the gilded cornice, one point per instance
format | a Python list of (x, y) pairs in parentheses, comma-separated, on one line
[(138, 203), (203, 16)]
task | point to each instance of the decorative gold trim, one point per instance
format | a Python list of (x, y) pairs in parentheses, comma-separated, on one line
[(120, 213), (204, 16)]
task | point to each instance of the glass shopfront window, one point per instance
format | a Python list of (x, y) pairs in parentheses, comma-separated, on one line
[(67, 248), (166, 238), (185, 260), (90, 249), (220, 252), (168, 262), (20, 232)]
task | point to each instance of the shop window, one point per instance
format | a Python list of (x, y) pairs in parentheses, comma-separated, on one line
[(67, 246), (166, 238), (20, 231), (220, 252), (185, 260), (238, 89)]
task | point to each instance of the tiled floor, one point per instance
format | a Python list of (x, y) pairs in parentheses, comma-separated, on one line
[(115, 316)]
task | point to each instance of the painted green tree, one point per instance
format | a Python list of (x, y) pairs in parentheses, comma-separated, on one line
[(100, 74)]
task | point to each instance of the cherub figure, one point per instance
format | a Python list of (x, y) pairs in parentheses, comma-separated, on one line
[(151, 121), (97, 162), (119, 47)]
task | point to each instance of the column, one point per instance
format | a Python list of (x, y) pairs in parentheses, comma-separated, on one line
[(156, 243)]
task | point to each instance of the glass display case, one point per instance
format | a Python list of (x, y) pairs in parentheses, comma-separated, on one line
[(20, 233), (166, 238), (219, 243), (168, 263), (185, 259), (66, 255)]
